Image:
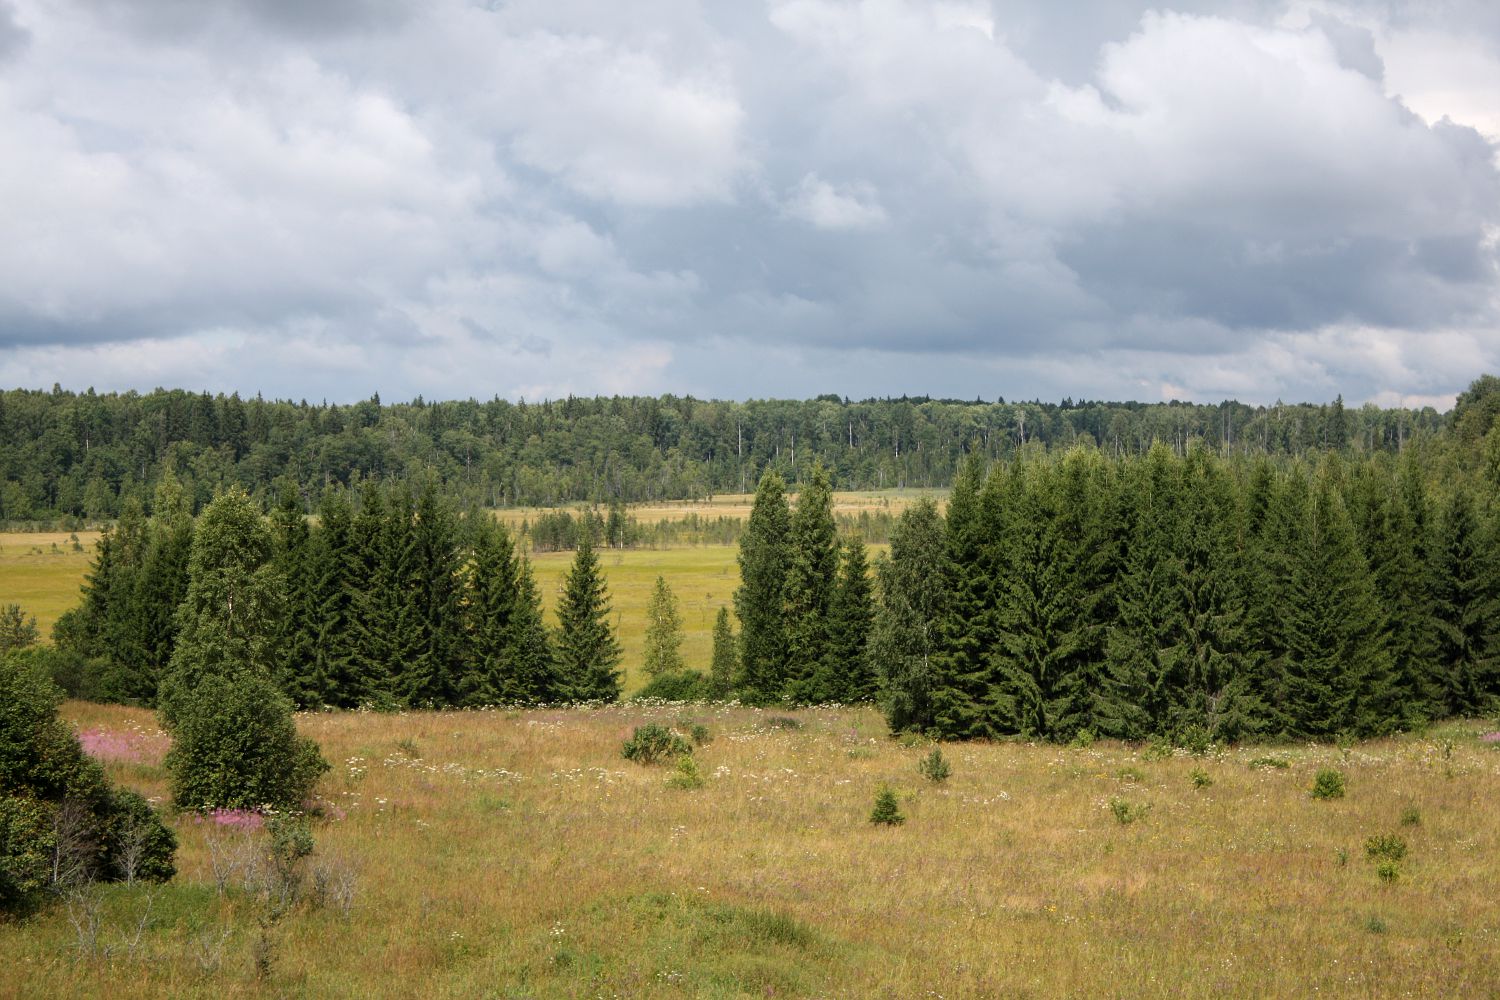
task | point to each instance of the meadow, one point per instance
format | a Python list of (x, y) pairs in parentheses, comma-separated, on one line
[(42, 571), (516, 854)]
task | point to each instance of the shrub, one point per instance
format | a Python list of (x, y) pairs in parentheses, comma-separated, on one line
[(700, 734), (1411, 816), (687, 775), (61, 824), (1387, 846), (935, 767), (887, 811), (1196, 740), (1278, 763), (1329, 784), (675, 685), (1083, 739), (235, 746), (1201, 778), (1127, 812), (652, 743), (1388, 871)]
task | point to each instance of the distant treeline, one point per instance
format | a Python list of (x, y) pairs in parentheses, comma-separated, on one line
[(560, 530), (80, 456)]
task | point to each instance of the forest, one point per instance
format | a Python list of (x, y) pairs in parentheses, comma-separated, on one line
[(1063, 592), (77, 457)]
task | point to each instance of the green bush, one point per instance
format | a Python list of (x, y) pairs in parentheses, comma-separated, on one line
[(1411, 816), (1385, 846), (1329, 784), (700, 734), (887, 811), (1201, 778), (235, 746), (1279, 763), (675, 685), (935, 767), (1388, 871), (1196, 740), (60, 821), (652, 743)]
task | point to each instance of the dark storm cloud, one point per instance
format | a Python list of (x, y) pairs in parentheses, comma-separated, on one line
[(956, 197)]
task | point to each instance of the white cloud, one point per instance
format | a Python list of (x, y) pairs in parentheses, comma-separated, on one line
[(849, 206)]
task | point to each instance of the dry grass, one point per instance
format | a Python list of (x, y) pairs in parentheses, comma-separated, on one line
[(41, 571), (737, 505), (517, 855)]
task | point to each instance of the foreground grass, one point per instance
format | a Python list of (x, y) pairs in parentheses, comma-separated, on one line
[(516, 855)]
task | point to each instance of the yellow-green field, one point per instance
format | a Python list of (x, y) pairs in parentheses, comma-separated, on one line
[(41, 571), (737, 505), (517, 855)]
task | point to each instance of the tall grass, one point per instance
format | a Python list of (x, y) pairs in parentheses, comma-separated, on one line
[(518, 855)]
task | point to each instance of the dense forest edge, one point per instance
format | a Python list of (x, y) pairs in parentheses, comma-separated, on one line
[(74, 457), (1184, 591)]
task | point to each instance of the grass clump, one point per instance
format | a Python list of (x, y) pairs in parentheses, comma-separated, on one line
[(1126, 812), (783, 722), (653, 743), (935, 767), (1411, 816), (887, 811), (1328, 784), (1271, 763)]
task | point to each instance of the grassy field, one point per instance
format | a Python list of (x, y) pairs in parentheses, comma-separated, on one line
[(42, 571), (517, 855), (737, 505)]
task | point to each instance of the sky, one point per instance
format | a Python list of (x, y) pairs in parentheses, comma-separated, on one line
[(752, 198)]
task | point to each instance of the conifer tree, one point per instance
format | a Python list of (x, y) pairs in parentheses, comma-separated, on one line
[(724, 665), (1467, 604), (913, 599), (430, 673), (333, 568), (760, 600), (534, 664), (663, 631), (291, 545), (812, 579), (587, 650), (1336, 671), (962, 696), (848, 676), (493, 594)]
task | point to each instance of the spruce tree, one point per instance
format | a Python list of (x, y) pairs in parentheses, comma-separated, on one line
[(587, 650), (430, 674), (160, 588), (962, 695), (492, 596), (663, 652), (1467, 604), (760, 600), (725, 663), (333, 578), (848, 676), (812, 579), (291, 545), (913, 599), (534, 672)]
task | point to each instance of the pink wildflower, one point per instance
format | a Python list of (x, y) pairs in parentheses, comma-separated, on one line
[(104, 745)]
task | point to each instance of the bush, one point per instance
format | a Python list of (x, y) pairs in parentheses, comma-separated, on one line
[(1201, 778), (1388, 871), (61, 823), (1385, 846), (1196, 740), (675, 685), (700, 734), (235, 746), (935, 767), (887, 811), (652, 743), (1329, 784), (1411, 816)]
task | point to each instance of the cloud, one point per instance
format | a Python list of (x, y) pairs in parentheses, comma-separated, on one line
[(1256, 198)]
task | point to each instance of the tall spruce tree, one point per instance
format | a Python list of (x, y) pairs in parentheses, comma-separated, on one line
[(535, 673), (291, 546), (847, 674), (663, 653), (493, 594), (963, 698), (913, 599), (812, 579), (333, 578), (430, 676), (587, 650), (760, 600), (1467, 605)]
